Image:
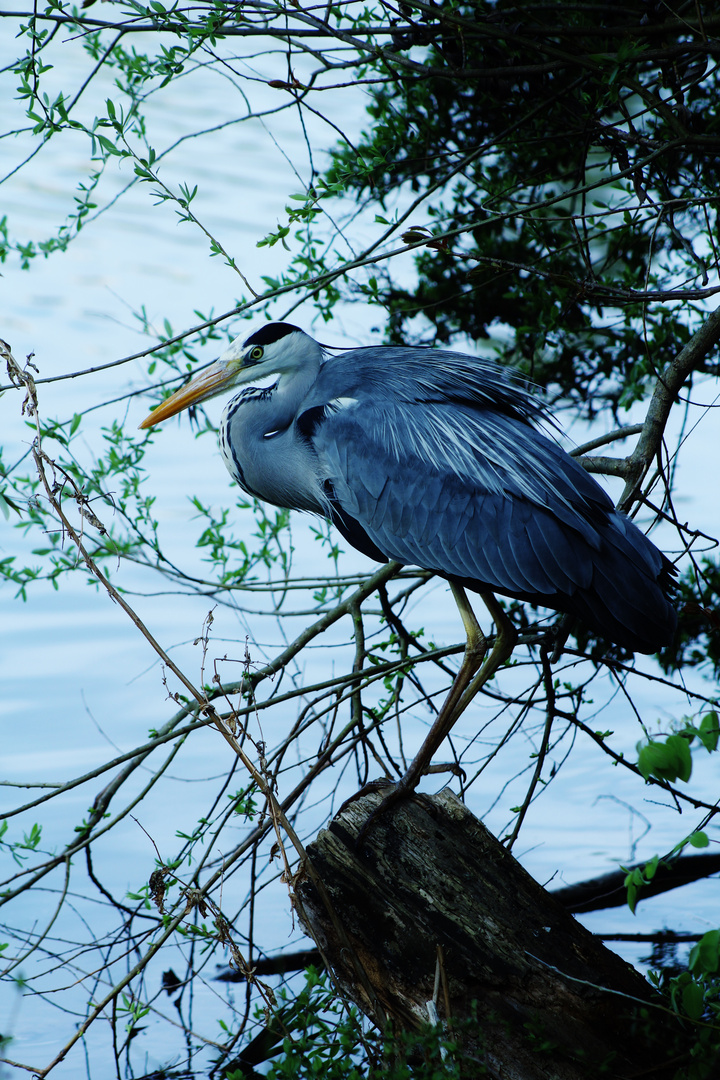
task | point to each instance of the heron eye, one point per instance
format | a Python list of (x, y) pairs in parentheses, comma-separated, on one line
[(257, 353)]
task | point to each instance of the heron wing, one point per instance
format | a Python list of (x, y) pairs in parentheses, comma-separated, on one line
[(456, 507), (494, 504)]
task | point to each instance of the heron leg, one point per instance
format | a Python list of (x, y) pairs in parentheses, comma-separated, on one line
[(505, 641), (466, 684), (476, 646)]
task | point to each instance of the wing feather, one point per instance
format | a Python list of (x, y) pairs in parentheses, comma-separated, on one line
[(478, 494)]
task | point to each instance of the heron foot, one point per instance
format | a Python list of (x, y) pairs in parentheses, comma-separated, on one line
[(367, 789), (398, 791)]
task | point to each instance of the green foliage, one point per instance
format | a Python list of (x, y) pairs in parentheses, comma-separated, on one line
[(314, 1035), (244, 803), (132, 1011), (21, 849), (671, 759), (542, 203), (636, 878), (641, 876), (705, 956), (318, 1040), (694, 995)]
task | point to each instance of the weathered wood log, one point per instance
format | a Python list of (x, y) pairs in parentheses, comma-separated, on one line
[(609, 890), (528, 992)]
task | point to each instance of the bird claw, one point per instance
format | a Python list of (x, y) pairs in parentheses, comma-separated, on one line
[(447, 766), (398, 790), (366, 789)]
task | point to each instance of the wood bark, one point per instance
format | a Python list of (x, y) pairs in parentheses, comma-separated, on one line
[(525, 991)]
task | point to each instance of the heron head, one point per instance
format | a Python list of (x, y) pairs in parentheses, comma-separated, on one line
[(274, 349)]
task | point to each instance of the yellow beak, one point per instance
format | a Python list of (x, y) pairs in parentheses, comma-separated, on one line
[(208, 384)]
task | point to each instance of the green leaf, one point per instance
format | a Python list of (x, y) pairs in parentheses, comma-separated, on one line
[(634, 881), (709, 731), (704, 957), (650, 868), (680, 748), (693, 998), (654, 760), (698, 839), (107, 144), (670, 760)]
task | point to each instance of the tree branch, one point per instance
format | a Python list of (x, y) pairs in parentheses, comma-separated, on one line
[(669, 384)]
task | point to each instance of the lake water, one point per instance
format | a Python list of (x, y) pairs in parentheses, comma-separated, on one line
[(80, 685)]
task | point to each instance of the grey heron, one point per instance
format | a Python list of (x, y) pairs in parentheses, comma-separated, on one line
[(433, 458)]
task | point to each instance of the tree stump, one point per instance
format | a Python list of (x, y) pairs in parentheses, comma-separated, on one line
[(524, 989)]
